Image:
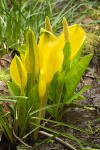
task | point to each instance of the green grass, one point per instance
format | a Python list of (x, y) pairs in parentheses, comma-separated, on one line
[(16, 17)]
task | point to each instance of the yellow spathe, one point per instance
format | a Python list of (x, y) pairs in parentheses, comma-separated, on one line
[(76, 38), (18, 73), (50, 58), (50, 55)]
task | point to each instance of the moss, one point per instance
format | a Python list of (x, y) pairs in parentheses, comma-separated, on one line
[(92, 44), (4, 75)]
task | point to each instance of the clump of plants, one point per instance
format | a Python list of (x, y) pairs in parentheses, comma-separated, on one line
[(44, 79)]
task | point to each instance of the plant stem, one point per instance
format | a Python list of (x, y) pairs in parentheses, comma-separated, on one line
[(41, 113)]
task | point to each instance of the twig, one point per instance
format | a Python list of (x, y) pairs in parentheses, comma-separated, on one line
[(21, 140), (89, 137), (83, 81), (7, 60), (65, 144), (89, 76)]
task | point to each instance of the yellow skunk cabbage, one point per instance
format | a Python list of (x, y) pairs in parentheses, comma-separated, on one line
[(51, 49), (18, 73), (46, 57), (50, 57), (76, 37)]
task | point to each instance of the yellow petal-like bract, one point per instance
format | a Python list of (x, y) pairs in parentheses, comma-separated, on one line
[(50, 55), (50, 58), (18, 73), (76, 36)]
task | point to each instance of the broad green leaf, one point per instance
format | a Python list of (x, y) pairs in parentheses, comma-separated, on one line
[(14, 89), (76, 95), (53, 87), (55, 94), (30, 83), (22, 113), (18, 73), (67, 53), (74, 75), (33, 98)]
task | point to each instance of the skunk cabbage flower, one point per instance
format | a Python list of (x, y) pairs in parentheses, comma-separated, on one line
[(46, 57), (18, 73), (51, 50), (50, 58), (76, 36)]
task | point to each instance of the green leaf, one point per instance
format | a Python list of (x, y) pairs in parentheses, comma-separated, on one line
[(52, 88), (55, 93), (31, 55), (77, 95), (25, 107), (33, 98), (22, 113), (22, 50), (7, 130), (14, 89), (67, 53), (74, 75)]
